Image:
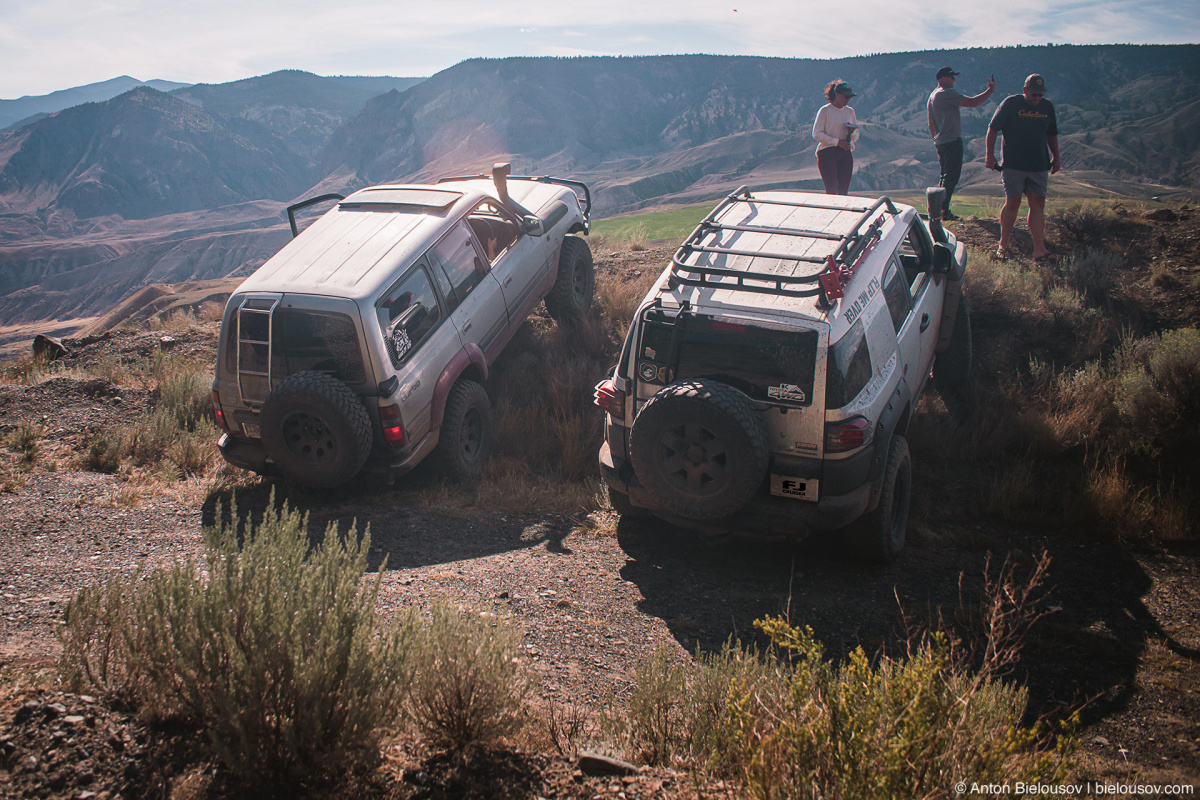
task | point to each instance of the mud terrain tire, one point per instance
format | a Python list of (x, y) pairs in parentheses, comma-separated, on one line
[(571, 296), (952, 368), (316, 430), (879, 535), (699, 448), (466, 434)]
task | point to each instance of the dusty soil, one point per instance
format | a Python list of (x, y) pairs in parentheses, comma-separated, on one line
[(593, 594)]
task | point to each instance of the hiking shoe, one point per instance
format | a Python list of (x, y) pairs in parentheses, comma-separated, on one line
[(950, 216)]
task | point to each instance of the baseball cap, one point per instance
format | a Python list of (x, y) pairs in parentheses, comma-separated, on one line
[(1035, 81), (844, 88), (946, 72)]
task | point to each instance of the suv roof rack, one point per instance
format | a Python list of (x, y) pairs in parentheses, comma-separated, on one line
[(577, 186), (826, 283)]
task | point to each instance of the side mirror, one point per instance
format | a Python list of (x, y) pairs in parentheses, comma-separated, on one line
[(532, 226), (945, 261)]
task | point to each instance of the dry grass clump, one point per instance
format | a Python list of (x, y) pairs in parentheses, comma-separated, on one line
[(272, 650), (469, 686), (790, 723)]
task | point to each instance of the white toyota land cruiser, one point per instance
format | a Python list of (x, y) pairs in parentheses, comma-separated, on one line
[(364, 343), (768, 378)]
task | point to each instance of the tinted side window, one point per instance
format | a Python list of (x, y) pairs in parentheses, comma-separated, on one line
[(408, 313), (463, 266), (895, 291), (849, 367)]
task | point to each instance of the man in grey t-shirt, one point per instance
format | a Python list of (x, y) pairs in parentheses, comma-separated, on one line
[(945, 126)]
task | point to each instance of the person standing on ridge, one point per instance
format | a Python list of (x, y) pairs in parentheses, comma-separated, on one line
[(836, 130), (945, 126), (1030, 156)]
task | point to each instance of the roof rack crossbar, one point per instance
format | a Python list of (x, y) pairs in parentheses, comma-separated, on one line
[(777, 289), (712, 227), (768, 277), (728, 251)]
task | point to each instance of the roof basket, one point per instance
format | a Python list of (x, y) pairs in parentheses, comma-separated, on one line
[(825, 283)]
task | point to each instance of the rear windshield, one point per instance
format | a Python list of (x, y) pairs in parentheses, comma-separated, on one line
[(769, 365), (296, 340)]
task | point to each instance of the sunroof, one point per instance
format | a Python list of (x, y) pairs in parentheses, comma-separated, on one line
[(392, 197)]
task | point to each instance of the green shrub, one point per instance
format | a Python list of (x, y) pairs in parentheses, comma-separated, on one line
[(468, 686), (25, 439), (907, 727), (1158, 394), (185, 396), (272, 650), (1093, 273), (105, 452)]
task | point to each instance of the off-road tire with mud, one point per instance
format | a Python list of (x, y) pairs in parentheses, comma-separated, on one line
[(571, 296), (952, 367), (316, 430), (699, 448), (879, 535), (466, 433)]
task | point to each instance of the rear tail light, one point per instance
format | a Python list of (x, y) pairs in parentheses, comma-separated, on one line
[(393, 426), (610, 398), (218, 413), (849, 434)]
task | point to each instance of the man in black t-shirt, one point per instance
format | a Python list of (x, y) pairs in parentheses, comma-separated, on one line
[(1030, 156)]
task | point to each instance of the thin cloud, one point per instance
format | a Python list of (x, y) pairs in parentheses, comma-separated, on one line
[(56, 44)]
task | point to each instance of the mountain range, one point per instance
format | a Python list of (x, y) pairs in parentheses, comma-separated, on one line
[(100, 199)]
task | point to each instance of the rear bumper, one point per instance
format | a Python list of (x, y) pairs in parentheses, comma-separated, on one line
[(765, 514), (250, 454), (246, 454)]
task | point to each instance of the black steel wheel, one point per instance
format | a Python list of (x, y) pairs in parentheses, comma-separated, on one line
[(879, 535), (952, 367), (466, 434), (571, 296), (316, 430), (699, 448)]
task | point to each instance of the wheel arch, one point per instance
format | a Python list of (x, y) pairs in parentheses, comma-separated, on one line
[(469, 362)]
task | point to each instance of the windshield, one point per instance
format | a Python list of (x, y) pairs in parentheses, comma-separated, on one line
[(771, 365)]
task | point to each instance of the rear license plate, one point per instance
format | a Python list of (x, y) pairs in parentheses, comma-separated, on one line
[(797, 488), (251, 430)]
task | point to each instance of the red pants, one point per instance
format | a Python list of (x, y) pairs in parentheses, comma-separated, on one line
[(836, 166)]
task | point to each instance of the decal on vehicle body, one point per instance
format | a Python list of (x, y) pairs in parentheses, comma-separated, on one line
[(805, 447), (408, 392), (860, 303), (787, 391)]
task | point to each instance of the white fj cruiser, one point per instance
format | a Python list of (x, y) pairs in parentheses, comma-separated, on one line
[(364, 343), (768, 378)]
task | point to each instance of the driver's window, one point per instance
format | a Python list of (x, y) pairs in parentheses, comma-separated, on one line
[(408, 313), (494, 228), (915, 255)]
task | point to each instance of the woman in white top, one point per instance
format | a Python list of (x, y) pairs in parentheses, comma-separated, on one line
[(836, 130)]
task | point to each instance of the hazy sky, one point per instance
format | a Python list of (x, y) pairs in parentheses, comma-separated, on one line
[(56, 44)]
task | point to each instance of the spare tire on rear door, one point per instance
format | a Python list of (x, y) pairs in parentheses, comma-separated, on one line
[(699, 448), (316, 429)]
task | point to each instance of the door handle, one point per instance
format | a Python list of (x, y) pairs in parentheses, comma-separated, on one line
[(924, 322), (507, 281), (467, 327)]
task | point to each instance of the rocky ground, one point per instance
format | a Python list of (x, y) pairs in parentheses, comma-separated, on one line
[(593, 595)]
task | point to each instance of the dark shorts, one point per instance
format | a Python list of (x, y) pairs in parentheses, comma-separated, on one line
[(1017, 182)]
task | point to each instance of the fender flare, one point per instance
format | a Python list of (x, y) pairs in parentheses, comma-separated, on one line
[(469, 357), (894, 417)]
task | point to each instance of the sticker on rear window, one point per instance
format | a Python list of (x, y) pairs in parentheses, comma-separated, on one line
[(787, 391)]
